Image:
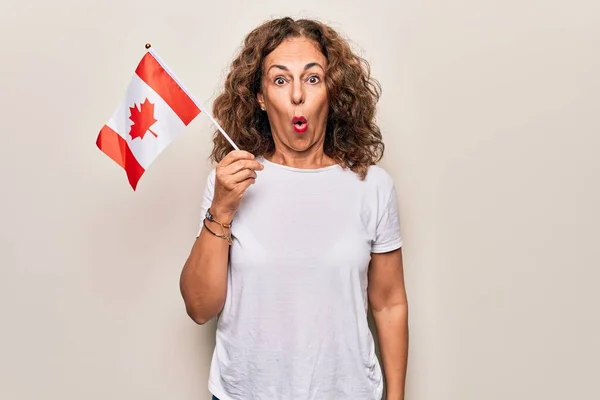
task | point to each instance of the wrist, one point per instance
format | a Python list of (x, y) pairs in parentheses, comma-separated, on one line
[(394, 395), (221, 214)]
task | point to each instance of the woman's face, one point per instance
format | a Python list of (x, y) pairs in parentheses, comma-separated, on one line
[(294, 95)]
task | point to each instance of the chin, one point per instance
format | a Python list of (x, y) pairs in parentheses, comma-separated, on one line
[(301, 142)]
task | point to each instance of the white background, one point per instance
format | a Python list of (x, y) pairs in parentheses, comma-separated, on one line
[(491, 117)]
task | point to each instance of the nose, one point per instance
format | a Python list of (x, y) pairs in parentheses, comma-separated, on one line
[(297, 92)]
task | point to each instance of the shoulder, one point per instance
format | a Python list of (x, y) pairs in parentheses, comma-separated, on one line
[(379, 178)]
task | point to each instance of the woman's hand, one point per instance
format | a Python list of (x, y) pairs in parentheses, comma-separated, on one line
[(234, 174)]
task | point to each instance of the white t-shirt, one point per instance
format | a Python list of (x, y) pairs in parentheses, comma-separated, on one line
[(294, 324)]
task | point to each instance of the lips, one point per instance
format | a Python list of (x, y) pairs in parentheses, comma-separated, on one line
[(300, 124)]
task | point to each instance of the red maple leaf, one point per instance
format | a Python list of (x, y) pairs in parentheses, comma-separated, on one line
[(143, 119)]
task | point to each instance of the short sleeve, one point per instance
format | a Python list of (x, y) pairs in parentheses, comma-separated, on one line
[(207, 198), (387, 230)]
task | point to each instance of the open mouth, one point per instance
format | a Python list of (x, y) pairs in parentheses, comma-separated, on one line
[(300, 124)]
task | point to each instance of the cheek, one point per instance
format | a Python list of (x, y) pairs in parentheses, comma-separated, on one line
[(324, 107), (274, 94), (277, 101), (323, 101)]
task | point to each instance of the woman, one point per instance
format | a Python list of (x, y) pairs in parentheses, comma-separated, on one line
[(300, 230)]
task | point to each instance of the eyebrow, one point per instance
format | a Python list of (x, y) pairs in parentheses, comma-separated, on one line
[(307, 66)]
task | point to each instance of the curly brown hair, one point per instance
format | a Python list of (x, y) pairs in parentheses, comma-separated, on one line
[(352, 138)]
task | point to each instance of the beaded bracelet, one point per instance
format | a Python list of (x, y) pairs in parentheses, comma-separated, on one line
[(211, 218), (226, 236)]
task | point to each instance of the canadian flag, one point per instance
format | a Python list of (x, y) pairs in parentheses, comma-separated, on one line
[(156, 109)]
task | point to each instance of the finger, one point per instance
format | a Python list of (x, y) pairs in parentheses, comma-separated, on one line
[(243, 175), (235, 155), (240, 165), (238, 171), (231, 181), (243, 186)]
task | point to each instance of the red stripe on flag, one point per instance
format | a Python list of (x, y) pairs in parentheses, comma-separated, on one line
[(114, 146), (155, 76)]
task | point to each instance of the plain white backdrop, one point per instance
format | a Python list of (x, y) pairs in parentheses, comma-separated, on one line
[(491, 118)]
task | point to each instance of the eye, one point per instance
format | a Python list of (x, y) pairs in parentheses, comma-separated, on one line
[(279, 80), (313, 79)]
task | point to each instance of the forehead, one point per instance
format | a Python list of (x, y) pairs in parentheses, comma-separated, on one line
[(296, 52)]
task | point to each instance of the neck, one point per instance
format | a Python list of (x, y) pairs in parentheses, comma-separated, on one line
[(310, 159)]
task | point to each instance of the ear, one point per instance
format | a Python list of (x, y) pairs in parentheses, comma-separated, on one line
[(261, 100)]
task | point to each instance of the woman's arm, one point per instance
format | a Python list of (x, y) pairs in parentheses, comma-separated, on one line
[(387, 297), (203, 280)]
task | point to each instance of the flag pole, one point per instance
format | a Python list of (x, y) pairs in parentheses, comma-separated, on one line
[(200, 106)]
